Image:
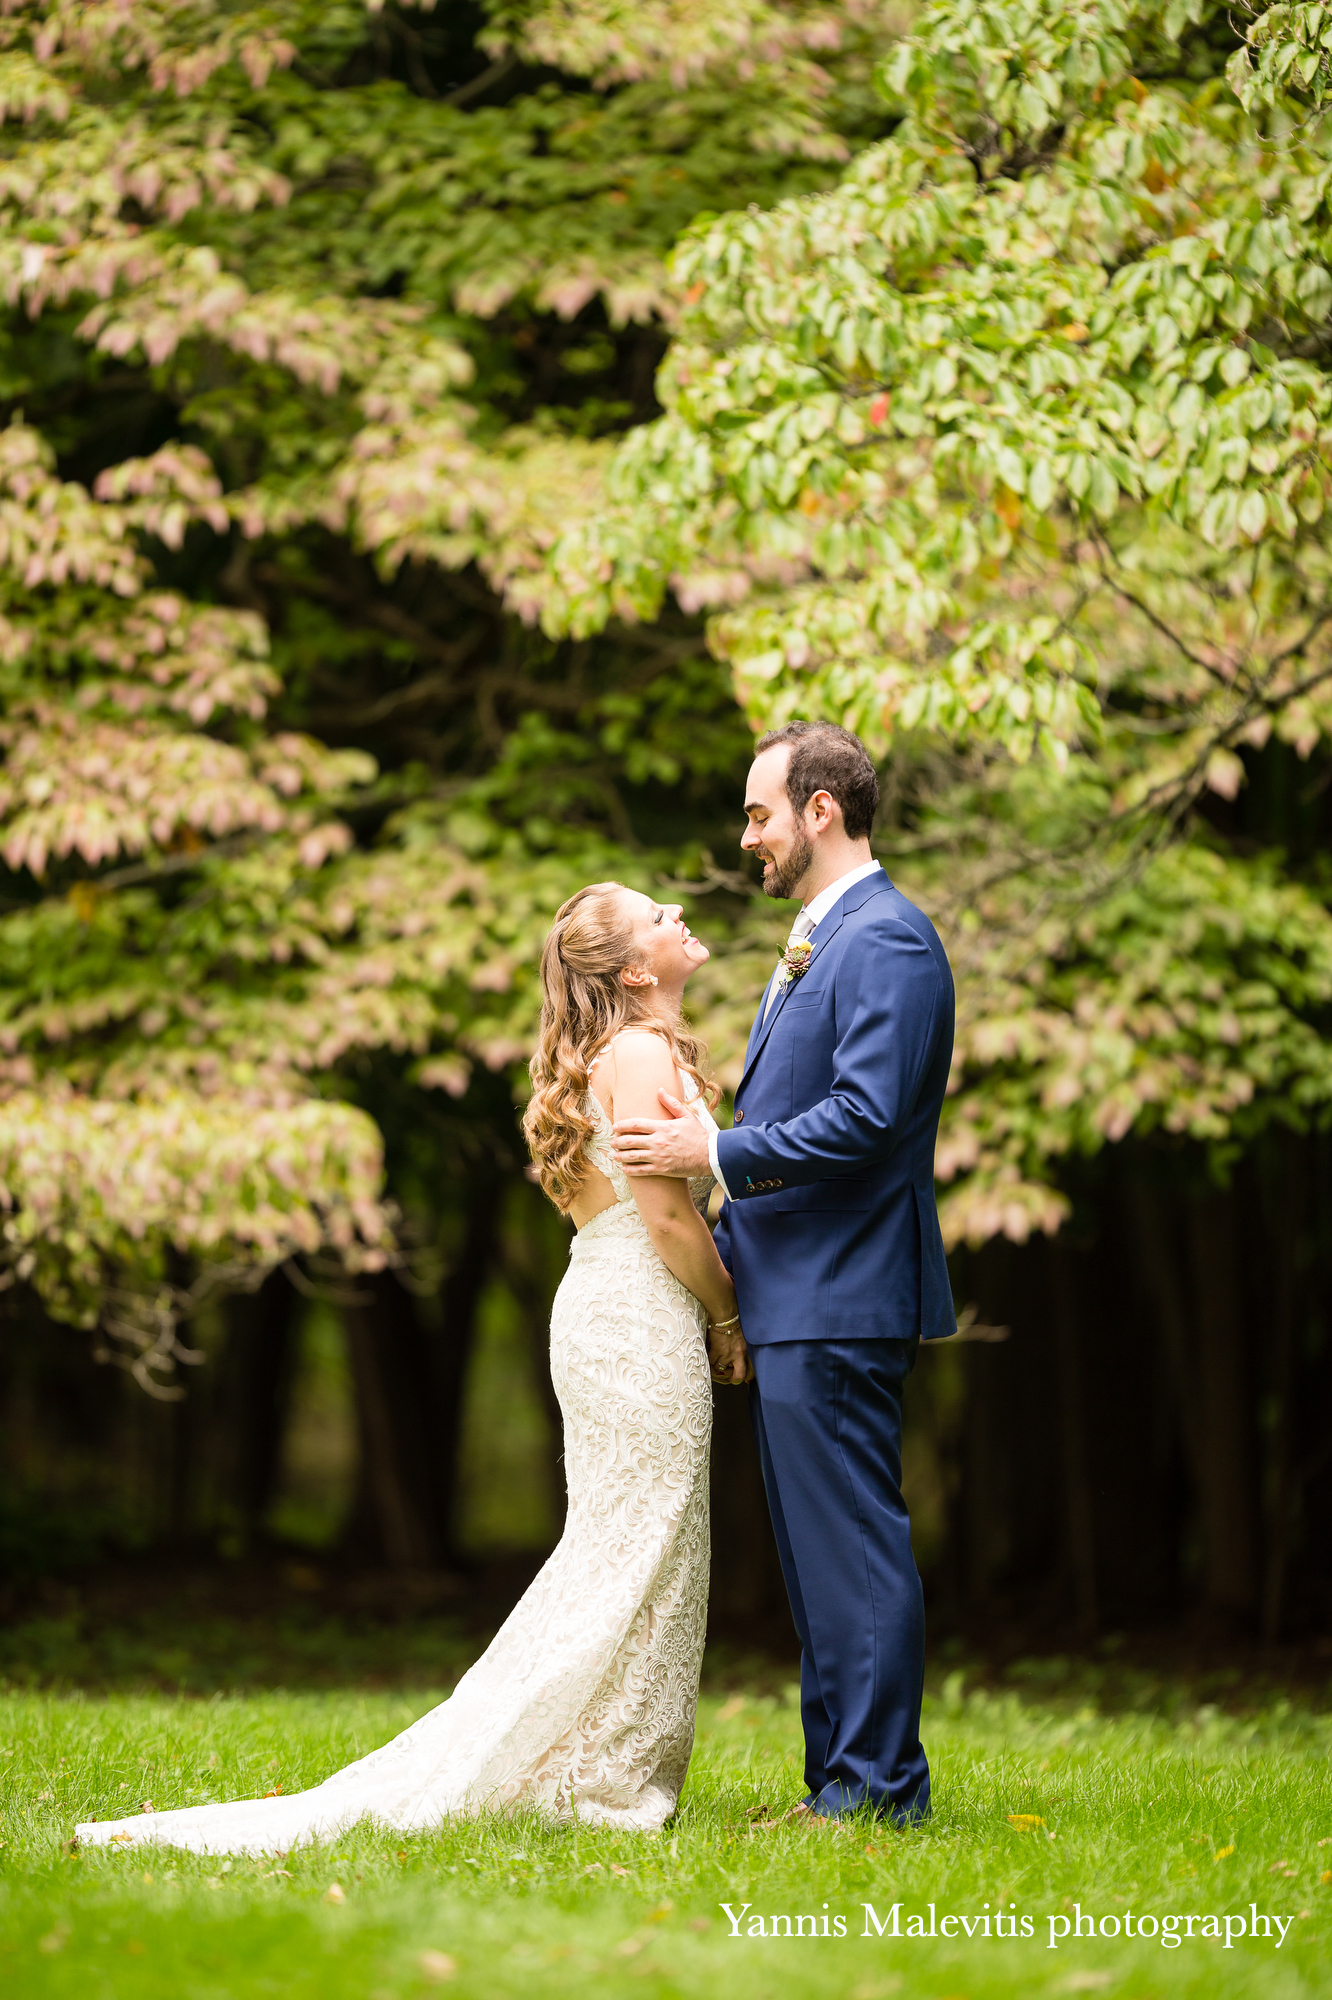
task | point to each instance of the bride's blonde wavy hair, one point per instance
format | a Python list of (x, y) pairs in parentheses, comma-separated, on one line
[(584, 1002)]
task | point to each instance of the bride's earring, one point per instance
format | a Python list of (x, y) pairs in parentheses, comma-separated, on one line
[(654, 979)]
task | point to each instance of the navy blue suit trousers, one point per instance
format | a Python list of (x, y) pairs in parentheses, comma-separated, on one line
[(827, 1419)]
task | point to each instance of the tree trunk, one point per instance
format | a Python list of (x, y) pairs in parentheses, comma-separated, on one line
[(409, 1383), (1284, 1231), (1160, 1256), (747, 1593), (1078, 1500), (254, 1398), (1228, 1490), (396, 1515), (452, 1349), (533, 1260)]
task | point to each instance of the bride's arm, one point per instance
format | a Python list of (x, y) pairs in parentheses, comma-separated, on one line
[(680, 1236)]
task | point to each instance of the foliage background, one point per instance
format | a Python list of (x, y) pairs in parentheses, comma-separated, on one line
[(434, 439)]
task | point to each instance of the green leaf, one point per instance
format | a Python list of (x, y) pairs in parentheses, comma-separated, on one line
[(1102, 489), (1041, 485), (1252, 515)]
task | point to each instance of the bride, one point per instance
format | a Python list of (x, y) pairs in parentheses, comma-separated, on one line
[(583, 1704)]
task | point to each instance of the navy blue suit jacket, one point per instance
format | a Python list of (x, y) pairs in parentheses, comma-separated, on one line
[(831, 1231)]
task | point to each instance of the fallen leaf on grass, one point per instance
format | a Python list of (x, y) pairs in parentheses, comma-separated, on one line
[(705, 1923), (617, 1870), (1025, 1822), (335, 1893), (437, 1965), (147, 1806), (735, 1706), (630, 1948), (276, 1793), (1087, 1982)]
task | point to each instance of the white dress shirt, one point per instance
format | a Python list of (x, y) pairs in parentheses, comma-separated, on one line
[(810, 916)]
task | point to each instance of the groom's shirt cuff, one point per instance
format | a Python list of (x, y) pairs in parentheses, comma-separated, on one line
[(715, 1163)]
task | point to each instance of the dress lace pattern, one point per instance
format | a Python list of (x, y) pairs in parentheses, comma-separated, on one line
[(583, 1704)]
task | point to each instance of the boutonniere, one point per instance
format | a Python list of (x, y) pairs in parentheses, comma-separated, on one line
[(795, 961)]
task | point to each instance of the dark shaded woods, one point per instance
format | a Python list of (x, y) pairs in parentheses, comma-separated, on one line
[(1138, 1429), (1134, 1431)]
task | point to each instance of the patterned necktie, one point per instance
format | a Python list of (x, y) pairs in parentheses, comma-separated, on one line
[(801, 928)]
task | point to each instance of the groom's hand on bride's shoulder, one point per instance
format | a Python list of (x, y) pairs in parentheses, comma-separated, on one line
[(676, 1146)]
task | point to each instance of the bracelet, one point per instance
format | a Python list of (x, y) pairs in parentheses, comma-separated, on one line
[(721, 1325)]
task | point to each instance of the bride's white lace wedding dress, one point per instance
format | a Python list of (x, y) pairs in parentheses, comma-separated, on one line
[(583, 1704)]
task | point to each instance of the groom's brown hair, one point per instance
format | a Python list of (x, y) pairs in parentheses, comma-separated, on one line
[(828, 758)]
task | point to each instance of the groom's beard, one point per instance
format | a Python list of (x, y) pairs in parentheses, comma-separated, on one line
[(786, 875)]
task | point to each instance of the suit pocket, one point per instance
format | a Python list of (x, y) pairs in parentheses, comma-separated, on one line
[(823, 1197)]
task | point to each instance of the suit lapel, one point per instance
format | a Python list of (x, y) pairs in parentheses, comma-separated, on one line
[(824, 933), (759, 1022)]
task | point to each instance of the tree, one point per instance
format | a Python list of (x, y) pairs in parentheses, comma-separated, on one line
[(396, 531), (1012, 451), (981, 448), (318, 319)]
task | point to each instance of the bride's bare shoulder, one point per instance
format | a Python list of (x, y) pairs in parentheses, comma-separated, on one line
[(643, 1047), (639, 1060)]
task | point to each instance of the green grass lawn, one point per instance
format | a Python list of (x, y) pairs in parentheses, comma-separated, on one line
[(1039, 1809)]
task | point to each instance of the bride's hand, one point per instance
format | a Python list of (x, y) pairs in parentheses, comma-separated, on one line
[(728, 1357)]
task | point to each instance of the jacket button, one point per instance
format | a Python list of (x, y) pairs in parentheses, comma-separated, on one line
[(739, 1117)]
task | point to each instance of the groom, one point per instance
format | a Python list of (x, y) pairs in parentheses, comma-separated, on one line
[(830, 1230)]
